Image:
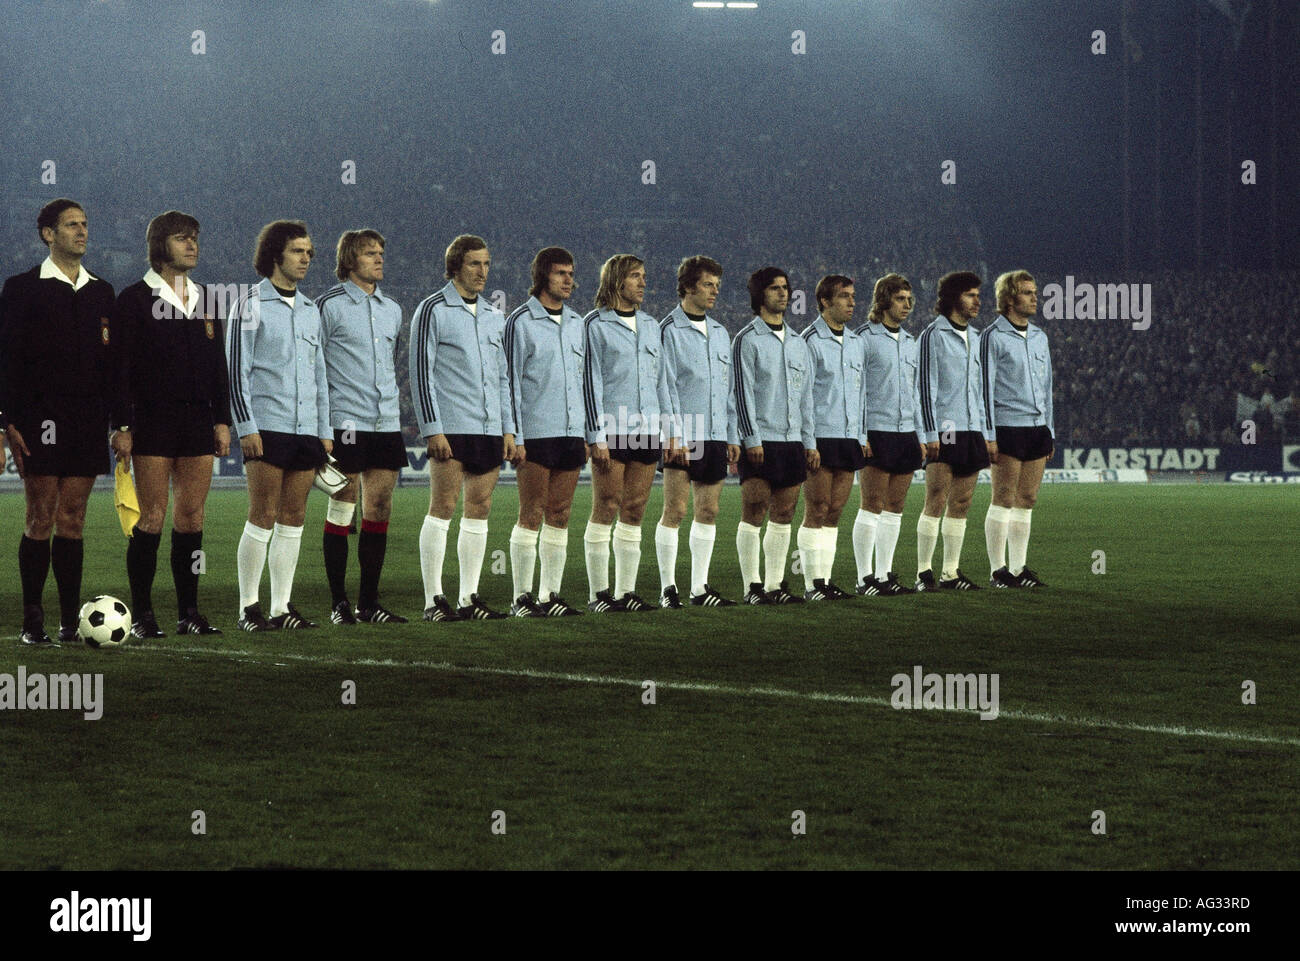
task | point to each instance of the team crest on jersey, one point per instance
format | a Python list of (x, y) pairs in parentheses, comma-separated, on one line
[(103, 330), (209, 329)]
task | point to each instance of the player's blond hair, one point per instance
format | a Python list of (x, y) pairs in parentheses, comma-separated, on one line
[(612, 275), (349, 248), (1005, 287)]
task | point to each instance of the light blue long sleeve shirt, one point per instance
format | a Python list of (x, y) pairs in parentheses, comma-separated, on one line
[(459, 383), (277, 365), (951, 389), (359, 332), (772, 380), (544, 360), (697, 371), (837, 381), (891, 381), (1017, 377), (624, 389)]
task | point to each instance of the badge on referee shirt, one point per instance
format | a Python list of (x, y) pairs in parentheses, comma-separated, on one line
[(209, 329), (103, 330)]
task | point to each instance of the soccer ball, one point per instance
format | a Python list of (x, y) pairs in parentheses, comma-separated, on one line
[(105, 622)]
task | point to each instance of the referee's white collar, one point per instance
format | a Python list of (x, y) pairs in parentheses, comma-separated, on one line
[(168, 293), (50, 269)]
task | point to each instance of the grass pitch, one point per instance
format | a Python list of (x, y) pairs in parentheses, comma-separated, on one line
[(1120, 692)]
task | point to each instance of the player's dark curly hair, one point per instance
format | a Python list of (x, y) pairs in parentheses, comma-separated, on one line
[(760, 280), (951, 287), (271, 242)]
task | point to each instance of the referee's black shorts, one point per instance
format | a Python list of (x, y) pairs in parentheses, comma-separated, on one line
[(784, 464), (967, 454), (361, 450), (70, 440), (706, 461), (841, 453), (1025, 443), (172, 430), (556, 453), (894, 452), (478, 453), (290, 451)]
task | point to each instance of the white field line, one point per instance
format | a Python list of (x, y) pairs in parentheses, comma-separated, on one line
[(265, 657)]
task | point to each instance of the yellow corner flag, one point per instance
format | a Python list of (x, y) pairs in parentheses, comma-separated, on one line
[(128, 508)]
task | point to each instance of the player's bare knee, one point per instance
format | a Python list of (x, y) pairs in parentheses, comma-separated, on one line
[(186, 522), (151, 520)]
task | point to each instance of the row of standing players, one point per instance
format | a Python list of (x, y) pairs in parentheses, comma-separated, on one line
[(545, 389)]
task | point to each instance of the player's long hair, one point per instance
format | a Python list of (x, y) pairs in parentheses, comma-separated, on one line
[(612, 274), (1005, 287), (349, 248), (271, 242), (951, 287), (454, 258), (540, 270), (760, 280), (883, 295), (692, 269), (163, 226)]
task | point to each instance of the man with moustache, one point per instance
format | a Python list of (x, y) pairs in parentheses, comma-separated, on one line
[(958, 445)]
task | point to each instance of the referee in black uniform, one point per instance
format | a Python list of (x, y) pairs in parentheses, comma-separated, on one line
[(178, 394), (58, 397)]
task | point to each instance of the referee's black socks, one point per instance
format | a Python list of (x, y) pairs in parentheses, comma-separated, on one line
[(141, 565), (65, 558), (33, 566), (187, 562)]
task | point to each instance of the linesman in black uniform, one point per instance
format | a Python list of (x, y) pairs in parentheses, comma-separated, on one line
[(177, 391), (59, 394)]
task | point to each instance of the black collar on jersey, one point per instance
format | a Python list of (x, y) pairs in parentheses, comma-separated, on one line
[(697, 318), (286, 294), (626, 313), (775, 328)]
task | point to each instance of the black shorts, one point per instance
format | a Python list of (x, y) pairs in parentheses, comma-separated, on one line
[(65, 443), (556, 453), (477, 453), (841, 453), (968, 454), (173, 430), (290, 451), (784, 464), (634, 448), (894, 452), (706, 462), (1025, 443), (369, 450)]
